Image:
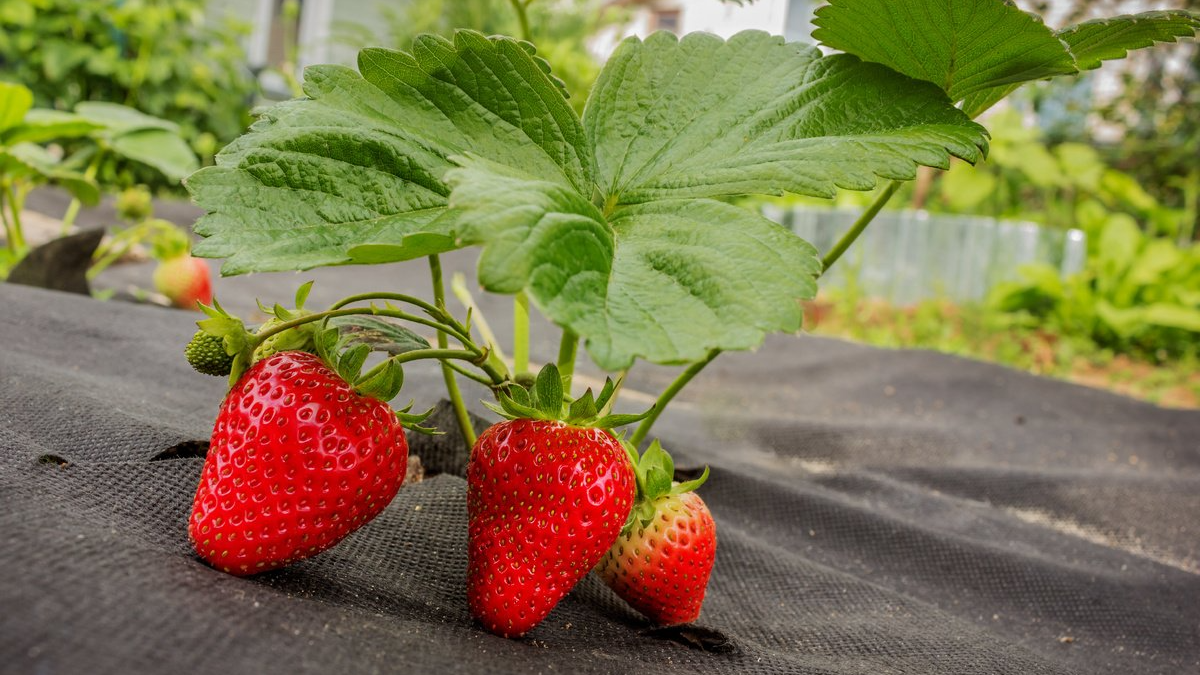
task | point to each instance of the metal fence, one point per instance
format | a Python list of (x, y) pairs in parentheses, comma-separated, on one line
[(908, 256)]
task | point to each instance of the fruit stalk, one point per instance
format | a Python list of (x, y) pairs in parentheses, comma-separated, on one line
[(669, 393), (452, 390), (566, 357), (859, 225), (520, 333)]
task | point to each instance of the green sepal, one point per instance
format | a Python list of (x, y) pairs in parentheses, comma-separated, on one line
[(241, 362), (512, 409), (350, 363), (548, 392), (521, 396), (655, 470), (383, 383), (691, 485), (583, 408), (546, 400), (302, 294), (605, 399), (655, 473), (327, 343), (413, 421), (614, 421)]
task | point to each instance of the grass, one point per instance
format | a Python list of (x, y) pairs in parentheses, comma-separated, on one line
[(973, 332)]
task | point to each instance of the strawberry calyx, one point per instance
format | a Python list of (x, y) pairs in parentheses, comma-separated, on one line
[(655, 474), (546, 399)]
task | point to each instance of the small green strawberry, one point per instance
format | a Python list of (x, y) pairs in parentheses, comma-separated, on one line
[(661, 562), (206, 354)]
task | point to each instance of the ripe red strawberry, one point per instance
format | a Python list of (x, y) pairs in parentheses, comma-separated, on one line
[(545, 500), (661, 562), (298, 460), (184, 280)]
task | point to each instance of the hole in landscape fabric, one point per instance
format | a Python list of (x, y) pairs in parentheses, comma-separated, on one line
[(54, 459), (184, 450), (696, 637)]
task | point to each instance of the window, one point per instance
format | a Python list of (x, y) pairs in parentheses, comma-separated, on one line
[(667, 19)]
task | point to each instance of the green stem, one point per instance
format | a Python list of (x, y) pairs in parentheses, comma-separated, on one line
[(522, 18), (16, 235), (566, 358), (442, 320), (859, 225), (420, 354), (487, 382), (458, 286), (114, 249), (93, 168), (520, 333), (669, 393), (8, 235), (452, 390)]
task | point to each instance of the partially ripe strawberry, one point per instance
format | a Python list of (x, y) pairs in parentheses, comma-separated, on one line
[(545, 500), (662, 560), (298, 460), (661, 568), (184, 280)]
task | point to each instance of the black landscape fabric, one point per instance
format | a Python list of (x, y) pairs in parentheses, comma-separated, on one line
[(878, 512)]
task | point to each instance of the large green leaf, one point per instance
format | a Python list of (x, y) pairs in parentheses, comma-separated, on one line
[(667, 280), (41, 125), (979, 51), (15, 101), (1092, 42), (963, 46), (118, 119), (353, 172), (702, 117), (34, 163), (161, 149)]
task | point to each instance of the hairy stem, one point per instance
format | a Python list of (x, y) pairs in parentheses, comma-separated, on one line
[(859, 225), (669, 393), (452, 390), (566, 358)]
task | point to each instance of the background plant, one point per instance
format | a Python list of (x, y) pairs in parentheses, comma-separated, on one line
[(158, 56), (559, 29)]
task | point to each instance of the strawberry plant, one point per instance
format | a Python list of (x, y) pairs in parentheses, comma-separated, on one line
[(615, 225), (109, 131)]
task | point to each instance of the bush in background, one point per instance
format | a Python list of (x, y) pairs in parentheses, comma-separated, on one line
[(159, 56)]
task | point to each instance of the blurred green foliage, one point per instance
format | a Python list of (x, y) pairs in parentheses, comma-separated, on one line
[(1139, 294), (1063, 185), (560, 30), (159, 56), (100, 131)]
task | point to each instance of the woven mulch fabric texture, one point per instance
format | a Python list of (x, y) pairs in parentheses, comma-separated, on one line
[(878, 512)]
